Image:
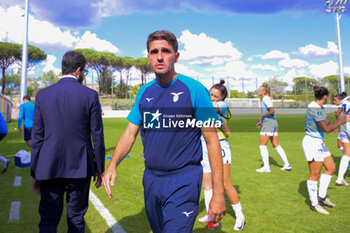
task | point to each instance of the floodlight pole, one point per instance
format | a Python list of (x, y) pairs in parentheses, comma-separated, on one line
[(338, 7), (25, 54), (341, 71)]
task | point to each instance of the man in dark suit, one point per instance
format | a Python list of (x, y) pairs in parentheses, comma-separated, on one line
[(67, 116)]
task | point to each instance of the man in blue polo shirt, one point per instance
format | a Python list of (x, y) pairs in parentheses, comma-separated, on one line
[(3, 133), (173, 111), (26, 113)]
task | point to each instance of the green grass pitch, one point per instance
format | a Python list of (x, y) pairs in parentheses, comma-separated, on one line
[(273, 202)]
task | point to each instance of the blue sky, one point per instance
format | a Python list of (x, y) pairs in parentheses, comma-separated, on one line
[(256, 39)]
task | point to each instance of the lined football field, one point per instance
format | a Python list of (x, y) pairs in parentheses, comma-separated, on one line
[(273, 202)]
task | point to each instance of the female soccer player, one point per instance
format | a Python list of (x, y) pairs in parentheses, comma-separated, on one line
[(316, 153), (269, 131), (344, 136), (337, 101), (218, 94)]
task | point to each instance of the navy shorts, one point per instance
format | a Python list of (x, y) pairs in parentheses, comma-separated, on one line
[(2, 135), (171, 200), (27, 134)]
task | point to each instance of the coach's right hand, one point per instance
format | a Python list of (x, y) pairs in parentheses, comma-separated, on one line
[(109, 178)]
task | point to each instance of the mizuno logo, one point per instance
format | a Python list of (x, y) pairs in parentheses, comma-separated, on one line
[(176, 96), (187, 213), (149, 99)]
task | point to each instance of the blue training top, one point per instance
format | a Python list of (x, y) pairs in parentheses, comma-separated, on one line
[(265, 107), (26, 112), (171, 116), (3, 126), (315, 113), (345, 105)]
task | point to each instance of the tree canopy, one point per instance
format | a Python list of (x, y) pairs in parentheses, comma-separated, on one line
[(11, 53), (144, 67)]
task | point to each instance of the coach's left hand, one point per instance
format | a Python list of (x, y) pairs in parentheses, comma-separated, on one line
[(36, 186), (217, 208), (98, 179)]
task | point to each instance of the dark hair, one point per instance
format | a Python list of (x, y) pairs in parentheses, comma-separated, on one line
[(341, 95), (163, 35), (320, 92), (221, 87), (71, 61), (26, 97)]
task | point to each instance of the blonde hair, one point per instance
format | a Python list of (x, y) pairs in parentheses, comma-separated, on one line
[(267, 89)]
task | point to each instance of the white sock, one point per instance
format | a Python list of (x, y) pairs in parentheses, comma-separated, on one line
[(312, 189), (265, 156), (3, 159), (237, 208), (343, 166), (207, 197), (341, 149), (324, 183), (282, 155)]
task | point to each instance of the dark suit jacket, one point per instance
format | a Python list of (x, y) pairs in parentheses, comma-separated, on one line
[(67, 116)]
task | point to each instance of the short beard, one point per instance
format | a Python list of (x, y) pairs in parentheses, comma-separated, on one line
[(81, 78)]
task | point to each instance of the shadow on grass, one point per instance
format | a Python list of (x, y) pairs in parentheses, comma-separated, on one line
[(134, 223), (303, 191), (272, 161)]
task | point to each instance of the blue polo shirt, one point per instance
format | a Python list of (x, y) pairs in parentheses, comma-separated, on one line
[(26, 114), (171, 117), (3, 126)]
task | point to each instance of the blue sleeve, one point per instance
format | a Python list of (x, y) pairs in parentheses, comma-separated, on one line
[(38, 134), (3, 126), (203, 107), (96, 127), (20, 116), (223, 108), (135, 115)]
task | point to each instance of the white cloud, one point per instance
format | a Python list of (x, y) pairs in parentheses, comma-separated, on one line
[(49, 64), (236, 69), (204, 50), (264, 67), (250, 59), (290, 75), (40, 32), (180, 68), (287, 64), (43, 33), (311, 50), (322, 70), (347, 70), (90, 40), (275, 55)]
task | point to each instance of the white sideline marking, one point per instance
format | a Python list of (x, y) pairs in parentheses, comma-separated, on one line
[(106, 215), (14, 211), (18, 181)]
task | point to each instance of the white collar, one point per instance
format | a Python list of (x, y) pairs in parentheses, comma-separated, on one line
[(68, 76)]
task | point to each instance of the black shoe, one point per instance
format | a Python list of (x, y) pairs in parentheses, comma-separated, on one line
[(6, 164)]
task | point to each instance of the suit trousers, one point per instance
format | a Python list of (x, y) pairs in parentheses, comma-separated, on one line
[(51, 203)]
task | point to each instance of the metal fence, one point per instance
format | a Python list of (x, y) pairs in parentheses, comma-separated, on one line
[(5, 107)]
